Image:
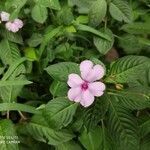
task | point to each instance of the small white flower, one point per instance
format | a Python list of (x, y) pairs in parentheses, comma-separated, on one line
[(4, 16)]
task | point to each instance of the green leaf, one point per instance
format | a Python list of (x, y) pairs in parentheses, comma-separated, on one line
[(39, 129), (86, 28), (2, 4), (130, 44), (18, 107), (137, 28), (61, 16), (9, 52), (39, 13), (60, 71), (70, 29), (145, 128), (52, 33), (97, 12), (2, 70), (16, 5), (35, 40), (83, 19), (58, 88), (120, 10), (93, 115), (107, 143), (82, 5), (14, 82), (10, 91), (71, 145), (134, 98), (13, 67), (59, 112), (127, 69), (11, 55), (122, 125), (144, 41), (91, 140), (145, 143), (53, 137), (30, 54), (12, 37), (47, 37), (103, 45), (64, 51), (8, 136), (53, 4)]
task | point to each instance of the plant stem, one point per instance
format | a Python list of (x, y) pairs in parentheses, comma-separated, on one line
[(22, 116), (105, 23), (138, 113), (8, 114)]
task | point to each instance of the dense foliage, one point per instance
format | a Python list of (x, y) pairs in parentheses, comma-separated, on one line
[(35, 62)]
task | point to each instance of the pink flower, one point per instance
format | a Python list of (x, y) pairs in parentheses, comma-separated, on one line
[(18, 23), (84, 89), (4, 16), (14, 26), (11, 27)]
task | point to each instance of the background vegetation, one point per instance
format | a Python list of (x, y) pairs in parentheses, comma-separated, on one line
[(36, 61)]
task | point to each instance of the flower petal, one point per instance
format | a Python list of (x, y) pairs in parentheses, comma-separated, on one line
[(11, 27), (8, 25), (18, 23), (97, 88), (74, 93), (78, 98), (96, 73), (14, 28), (74, 80), (4, 16), (85, 68), (87, 98)]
